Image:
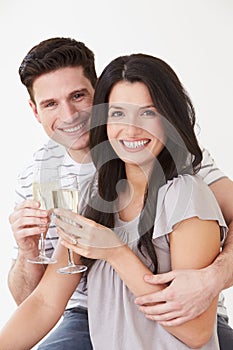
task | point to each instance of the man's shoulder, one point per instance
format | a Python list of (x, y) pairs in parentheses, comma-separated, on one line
[(50, 153), (209, 170)]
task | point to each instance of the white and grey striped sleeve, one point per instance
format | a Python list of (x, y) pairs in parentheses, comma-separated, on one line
[(209, 171), (53, 156)]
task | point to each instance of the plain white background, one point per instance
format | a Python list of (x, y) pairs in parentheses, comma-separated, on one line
[(194, 37)]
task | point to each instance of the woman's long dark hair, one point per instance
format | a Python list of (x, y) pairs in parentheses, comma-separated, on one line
[(180, 155)]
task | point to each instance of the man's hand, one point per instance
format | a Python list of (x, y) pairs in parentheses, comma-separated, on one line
[(27, 222), (188, 294)]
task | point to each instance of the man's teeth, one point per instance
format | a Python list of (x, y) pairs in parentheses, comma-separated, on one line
[(135, 144), (76, 128)]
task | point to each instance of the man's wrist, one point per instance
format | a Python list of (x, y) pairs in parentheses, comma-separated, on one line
[(215, 276), (25, 253)]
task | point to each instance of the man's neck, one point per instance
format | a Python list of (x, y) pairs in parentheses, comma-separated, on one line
[(80, 156)]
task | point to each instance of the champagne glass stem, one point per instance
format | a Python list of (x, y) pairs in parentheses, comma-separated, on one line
[(70, 258), (42, 244)]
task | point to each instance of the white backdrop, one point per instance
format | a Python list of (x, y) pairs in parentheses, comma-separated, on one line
[(194, 37)]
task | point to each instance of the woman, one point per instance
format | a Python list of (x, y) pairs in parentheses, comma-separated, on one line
[(150, 213)]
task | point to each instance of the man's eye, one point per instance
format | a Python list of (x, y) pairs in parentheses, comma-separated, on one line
[(77, 96), (50, 104)]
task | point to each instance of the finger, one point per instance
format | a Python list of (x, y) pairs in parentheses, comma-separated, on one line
[(66, 242), (27, 204), (26, 221), (166, 310), (67, 237), (29, 232), (27, 213), (156, 297), (72, 247), (78, 219), (65, 213), (67, 227), (160, 278), (75, 248), (174, 322)]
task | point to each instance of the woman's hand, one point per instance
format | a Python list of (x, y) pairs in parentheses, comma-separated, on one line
[(85, 237)]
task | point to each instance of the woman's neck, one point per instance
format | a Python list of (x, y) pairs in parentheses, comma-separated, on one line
[(137, 178), (132, 199)]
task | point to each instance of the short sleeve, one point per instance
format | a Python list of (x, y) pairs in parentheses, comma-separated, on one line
[(185, 197)]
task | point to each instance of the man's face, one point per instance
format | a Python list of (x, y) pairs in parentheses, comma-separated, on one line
[(63, 100)]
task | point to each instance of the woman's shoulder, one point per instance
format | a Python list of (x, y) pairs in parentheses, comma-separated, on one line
[(184, 197), (186, 181)]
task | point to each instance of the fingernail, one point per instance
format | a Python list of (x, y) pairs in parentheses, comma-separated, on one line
[(147, 277)]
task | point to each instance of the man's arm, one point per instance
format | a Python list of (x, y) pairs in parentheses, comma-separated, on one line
[(222, 269), (190, 292), (27, 222), (23, 278)]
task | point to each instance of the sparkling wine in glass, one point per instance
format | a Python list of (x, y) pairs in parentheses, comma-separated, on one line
[(67, 197), (45, 180)]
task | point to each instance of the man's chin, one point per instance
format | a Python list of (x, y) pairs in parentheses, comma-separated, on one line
[(76, 143)]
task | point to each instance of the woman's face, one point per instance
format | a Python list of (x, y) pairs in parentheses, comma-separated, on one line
[(134, 126)]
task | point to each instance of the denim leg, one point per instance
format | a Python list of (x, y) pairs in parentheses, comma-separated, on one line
[(71, 334), (225, 334)]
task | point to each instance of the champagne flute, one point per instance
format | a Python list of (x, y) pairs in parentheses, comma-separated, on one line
[(67, 197), (44, 181)]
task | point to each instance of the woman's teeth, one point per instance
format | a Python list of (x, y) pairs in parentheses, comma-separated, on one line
[(135, 144)]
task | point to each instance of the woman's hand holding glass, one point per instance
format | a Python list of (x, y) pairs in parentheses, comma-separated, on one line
[(85, 236), (66, 196)]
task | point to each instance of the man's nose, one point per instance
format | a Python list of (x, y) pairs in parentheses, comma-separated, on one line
[(68, 112)]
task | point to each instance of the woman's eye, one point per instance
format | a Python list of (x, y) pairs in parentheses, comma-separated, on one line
[(149, 113), (116, 114)]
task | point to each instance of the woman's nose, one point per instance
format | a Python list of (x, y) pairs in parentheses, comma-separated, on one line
[(132, 126)]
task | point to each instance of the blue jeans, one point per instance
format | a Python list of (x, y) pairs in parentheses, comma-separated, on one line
[(71, 334), (225, 334)]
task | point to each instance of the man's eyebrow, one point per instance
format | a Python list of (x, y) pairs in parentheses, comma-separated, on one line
[(79, 91)]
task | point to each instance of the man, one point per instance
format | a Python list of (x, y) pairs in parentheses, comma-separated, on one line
[(60, 77)]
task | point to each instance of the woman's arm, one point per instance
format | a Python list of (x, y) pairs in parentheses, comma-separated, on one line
[(194, 244), (38, 314)]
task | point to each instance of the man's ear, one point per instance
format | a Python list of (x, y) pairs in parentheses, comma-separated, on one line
[(34, 109)]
